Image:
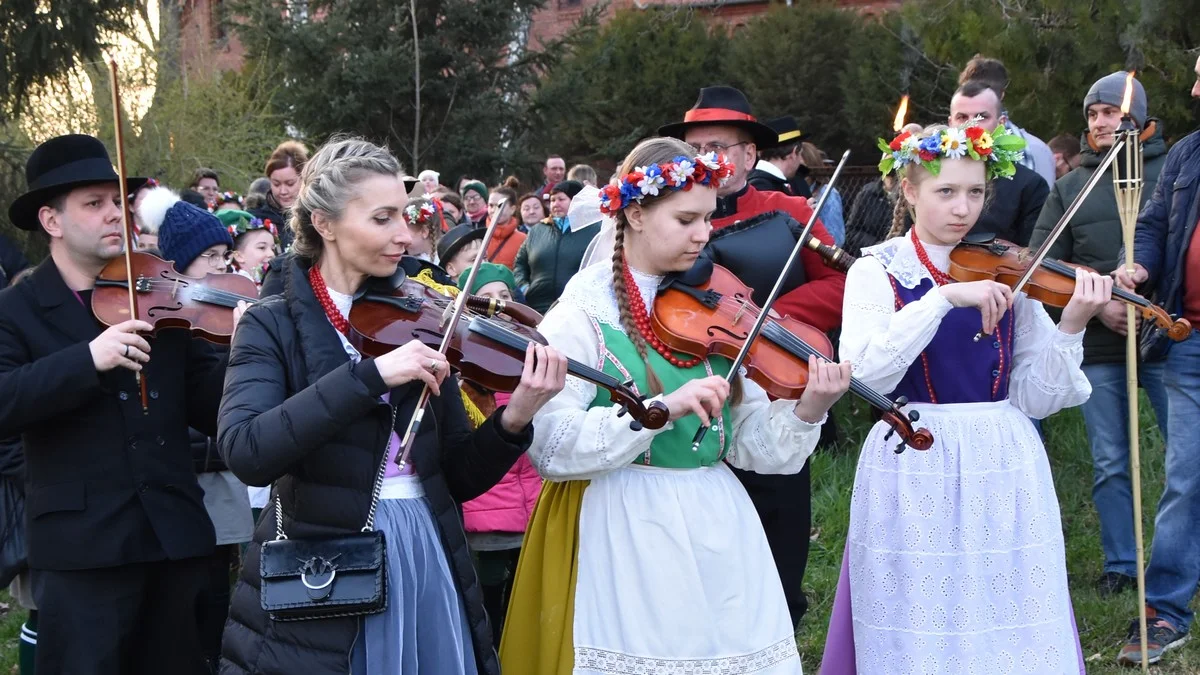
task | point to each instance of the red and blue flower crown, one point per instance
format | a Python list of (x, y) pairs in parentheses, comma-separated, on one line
[(681, 173), (419, 213)]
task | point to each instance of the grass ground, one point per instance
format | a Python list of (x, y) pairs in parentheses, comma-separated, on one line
[(1102, 622)]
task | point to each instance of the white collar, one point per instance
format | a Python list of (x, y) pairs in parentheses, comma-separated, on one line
[(764, 165), (899, 259)]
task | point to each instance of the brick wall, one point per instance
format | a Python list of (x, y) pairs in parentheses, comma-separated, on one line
[(206, 42)]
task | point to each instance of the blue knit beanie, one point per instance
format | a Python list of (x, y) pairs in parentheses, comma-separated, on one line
[(187, 231)]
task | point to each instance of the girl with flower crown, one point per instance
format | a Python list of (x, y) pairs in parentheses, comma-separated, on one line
[(954, 561), (644, 555)]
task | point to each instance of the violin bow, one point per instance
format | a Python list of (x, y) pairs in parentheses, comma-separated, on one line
[(450, 319), (801, 244), (126, 225), (1061, 225)]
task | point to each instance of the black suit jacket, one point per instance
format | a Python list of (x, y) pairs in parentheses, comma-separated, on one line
[(1013, 208), (105, 484)]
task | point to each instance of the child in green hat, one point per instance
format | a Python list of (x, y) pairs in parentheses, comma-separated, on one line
[(254, 242)]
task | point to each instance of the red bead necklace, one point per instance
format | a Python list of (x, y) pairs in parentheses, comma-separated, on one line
[(322, 292), (641, 318), (939, 277)]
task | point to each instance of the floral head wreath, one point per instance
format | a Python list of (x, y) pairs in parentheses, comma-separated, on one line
[(244, 225), (1000, 150), (420, 213), (681, 173), (230, 197)]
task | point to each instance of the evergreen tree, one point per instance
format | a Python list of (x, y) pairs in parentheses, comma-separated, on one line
[(359, 66)]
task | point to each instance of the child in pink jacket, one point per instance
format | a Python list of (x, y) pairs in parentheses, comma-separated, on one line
[(495, 521)]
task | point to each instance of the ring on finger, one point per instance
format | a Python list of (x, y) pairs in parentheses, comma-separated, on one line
[(126, 351), (434, 365)]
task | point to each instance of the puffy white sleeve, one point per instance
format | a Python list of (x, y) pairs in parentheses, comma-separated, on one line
[(881, 342), (1046, 375), (572, 440), (767, 435)]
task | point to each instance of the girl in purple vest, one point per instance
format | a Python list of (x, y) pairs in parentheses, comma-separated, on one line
[(954, 559)]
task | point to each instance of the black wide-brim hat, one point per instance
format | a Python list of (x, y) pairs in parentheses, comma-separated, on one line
[(726, 107), (58, 166), (787, 129), (456, 238)]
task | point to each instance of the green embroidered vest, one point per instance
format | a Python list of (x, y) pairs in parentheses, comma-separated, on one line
[(673, 448)]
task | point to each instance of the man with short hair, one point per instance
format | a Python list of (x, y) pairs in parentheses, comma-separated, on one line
[(116, 530), (1166, 251), (1066, 150), (583, 174), (779, 164), (555, 172), (1094, 238), (206, 182), (755, 245), (1013, 207), (993, 74)]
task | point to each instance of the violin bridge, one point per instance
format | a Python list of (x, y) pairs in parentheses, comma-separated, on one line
[(175, 288), (741, 310)]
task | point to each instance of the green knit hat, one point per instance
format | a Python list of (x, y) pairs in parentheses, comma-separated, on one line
[(241, 222), (488, 272), (477, 187)]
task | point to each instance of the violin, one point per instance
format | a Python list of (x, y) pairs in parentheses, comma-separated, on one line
[(1052, 283), (489, 344), (168, 299), (704, 316)]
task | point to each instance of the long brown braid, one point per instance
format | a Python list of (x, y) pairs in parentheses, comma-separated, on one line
[(649, 151), (899, 214), (622, 293)]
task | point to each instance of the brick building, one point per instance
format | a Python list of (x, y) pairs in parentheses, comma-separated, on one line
[(207, 43), (558, 16)]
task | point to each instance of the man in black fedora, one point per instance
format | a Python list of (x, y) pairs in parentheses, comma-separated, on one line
[(753, 236), (779, 164), (116, 525)]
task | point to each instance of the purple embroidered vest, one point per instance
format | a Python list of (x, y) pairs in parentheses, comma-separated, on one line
[(954, 368)]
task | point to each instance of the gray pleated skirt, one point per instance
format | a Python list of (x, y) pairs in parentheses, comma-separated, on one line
[(424, 629)]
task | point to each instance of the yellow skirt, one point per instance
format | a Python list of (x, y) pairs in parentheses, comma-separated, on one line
[(538, 634)]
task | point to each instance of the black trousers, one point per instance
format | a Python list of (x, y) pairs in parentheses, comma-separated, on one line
[(212, 605), (784, 505), (134, 619)]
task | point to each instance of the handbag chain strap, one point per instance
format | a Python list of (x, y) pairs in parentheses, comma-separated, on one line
[(375, 491)]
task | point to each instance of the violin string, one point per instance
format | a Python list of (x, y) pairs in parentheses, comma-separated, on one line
[(160, 284), (599, 376), (799, 347)]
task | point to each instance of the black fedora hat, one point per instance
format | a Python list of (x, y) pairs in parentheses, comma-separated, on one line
[(787, 128), (722, 106), (456, 238), (57, 166)]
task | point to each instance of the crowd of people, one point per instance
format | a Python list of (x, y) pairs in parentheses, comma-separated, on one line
[(535, 529)]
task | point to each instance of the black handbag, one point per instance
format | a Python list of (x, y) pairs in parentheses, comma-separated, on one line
[(326, 577)]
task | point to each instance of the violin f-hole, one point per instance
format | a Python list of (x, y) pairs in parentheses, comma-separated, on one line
[(713, 330)]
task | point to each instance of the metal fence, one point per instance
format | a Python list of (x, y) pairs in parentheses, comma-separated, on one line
[(866, 207)]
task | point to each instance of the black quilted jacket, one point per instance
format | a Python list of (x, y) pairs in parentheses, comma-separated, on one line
[(298, 413)]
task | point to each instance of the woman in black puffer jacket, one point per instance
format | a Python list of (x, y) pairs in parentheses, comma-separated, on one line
[(304, 411)]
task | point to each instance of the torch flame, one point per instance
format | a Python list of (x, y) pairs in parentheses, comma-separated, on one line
[(1128, 93), (898, 124)]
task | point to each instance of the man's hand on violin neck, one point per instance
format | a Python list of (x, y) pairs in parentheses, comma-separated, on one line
[(120, 346)]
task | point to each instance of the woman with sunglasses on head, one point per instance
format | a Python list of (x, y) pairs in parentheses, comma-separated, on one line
[(305, 411)]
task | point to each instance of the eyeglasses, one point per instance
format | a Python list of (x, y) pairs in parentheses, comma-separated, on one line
[(471, 197), (215, 259), (719, 148)]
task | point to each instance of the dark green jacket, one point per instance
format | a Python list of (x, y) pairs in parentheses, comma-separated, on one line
[(548, 259), (1093, 237)]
